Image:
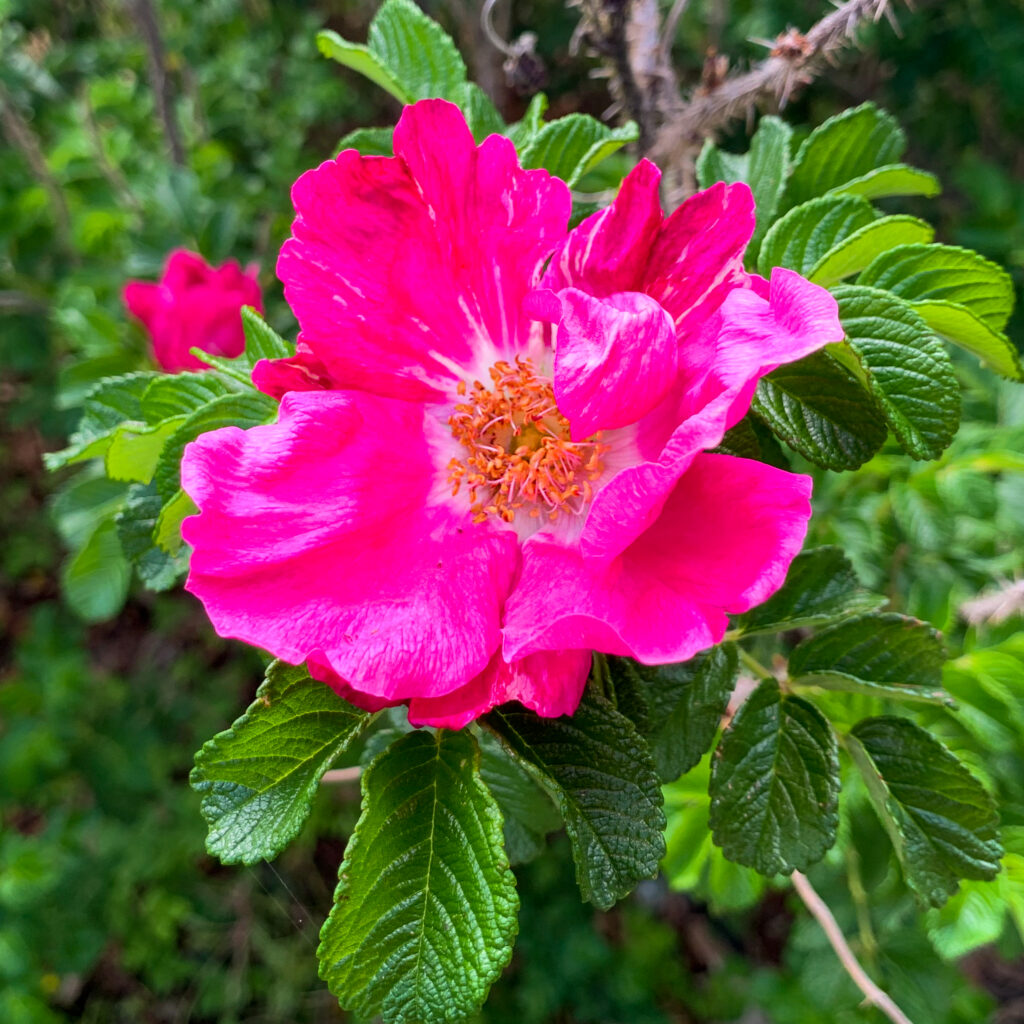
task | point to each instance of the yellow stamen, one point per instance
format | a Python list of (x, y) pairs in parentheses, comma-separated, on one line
[(518, 448)]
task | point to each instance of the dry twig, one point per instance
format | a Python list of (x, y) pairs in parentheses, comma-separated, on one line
[(821, 913), (796, 59)]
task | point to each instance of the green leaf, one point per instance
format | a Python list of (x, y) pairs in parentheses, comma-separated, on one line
[(416, 51), (692, 861), (989, 686), (481, 114), (167, 532), (600, 774), (573, 145), (82, 502), (803, 237), (369, 141), (856, 251), (425, 911), (109, 404), (906, 368), (258, 778), (958, 325), (135, 448), (820, 587), (261, 340), (820, 410), (684, 703), (170, 396), (973, 917), (136, 527), (941, 821), (522, 132), (764, 168), (890, 180), (885, 655), (94, 580), (360, 59), (948, 274), (528, 811), (714, 164), (751, 439), (775, 784), (768, 168), (245, 409), (846, 147)]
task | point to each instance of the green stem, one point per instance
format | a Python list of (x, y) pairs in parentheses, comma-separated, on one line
[(760, 672), (868, 942)]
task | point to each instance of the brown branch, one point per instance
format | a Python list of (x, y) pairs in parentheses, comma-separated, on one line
[(794, 62), (145, 17), (873, 995)]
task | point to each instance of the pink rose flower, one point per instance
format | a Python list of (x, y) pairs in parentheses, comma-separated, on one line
[(194, 305), (484, 470)]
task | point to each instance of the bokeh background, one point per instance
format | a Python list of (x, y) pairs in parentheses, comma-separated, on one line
[(119, 146)]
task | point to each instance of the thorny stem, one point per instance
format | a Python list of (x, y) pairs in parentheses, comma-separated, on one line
[(787, 69), (821, 913), (627, 34)]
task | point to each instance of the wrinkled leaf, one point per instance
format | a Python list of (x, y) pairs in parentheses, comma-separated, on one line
[(820, 587), (258, 778), (807, 234), (820, 410), (957, 324), (684, 704), (424, 914), (845, 148), (573, 145), (947, 274), (599, 772), (879, 655), (775, 784), (941, 821), (906, 368), (856, 251), (891, 180)]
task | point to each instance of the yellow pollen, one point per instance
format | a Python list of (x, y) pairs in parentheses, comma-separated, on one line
[(519, 455)]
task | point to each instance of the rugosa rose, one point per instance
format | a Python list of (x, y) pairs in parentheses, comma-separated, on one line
[(484, 469), (194, 305)]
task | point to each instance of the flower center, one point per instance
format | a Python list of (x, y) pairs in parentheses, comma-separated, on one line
[(518, 451)]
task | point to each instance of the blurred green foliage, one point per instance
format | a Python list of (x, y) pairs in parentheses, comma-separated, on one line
[(110, 911)]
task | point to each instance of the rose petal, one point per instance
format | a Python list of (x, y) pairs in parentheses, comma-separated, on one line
[(550, 683), (409, 273), (316, 536), (615, 359), (698, 257), (562, 602), (723, 542), (608, 252)]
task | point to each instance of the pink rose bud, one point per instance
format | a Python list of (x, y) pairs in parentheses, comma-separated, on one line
[(194, 305)]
